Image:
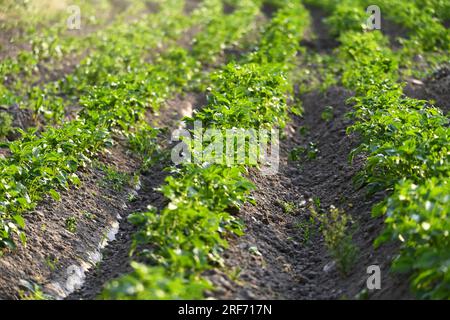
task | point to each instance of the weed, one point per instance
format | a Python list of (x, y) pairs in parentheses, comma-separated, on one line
[(71, 224), (132, 196), (234, 273), (327, 114), (311, 151), (295, 154), (288, 206), (303, 130), (338, 238), (114, 179), (144, 143), (317, 203), (33, 292), (307, 228), (254, 251), (88, 215), (52, 262)]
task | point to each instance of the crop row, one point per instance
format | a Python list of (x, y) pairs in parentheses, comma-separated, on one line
[(408, 153), (123, 47), (407, 142), (187, 237), (426, 32), (51, 43), (118, 49), (427, 38), (40, 164)]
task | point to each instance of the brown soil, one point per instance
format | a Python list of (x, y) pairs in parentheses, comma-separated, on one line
[(269, 9), (446, 23), (51, 249), (8, 46), (317, 37), (190, 6), (228, 8), (116, 256), (394, 32), (435, 87)]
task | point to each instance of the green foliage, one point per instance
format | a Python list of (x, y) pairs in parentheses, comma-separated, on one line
[(120, 49), (296, 153), (52, 263), (307, 229), (42, 163), (71, 224), (407, 146), (44, 27), (406, 141), (215, 186), (346, 18), (38, 165), (250, 95), (150, 283), (279, 44), (114, 179), (288, 207), (435, 8), (327, 114), (426, 32), (338, 238), (188, 235), (310, 152), (419, 216), (6, 121), (192, 223), (144, 143), (366, 58), (225, 30), (33, 291)]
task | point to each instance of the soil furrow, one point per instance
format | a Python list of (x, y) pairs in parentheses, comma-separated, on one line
[(282, 254), (435, 87), (116, 256)]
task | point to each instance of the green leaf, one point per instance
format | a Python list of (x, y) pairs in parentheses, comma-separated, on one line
[(19, 221), (55, 195), (23, 238)]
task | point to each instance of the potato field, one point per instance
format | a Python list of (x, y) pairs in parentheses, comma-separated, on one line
[(224, 149)]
